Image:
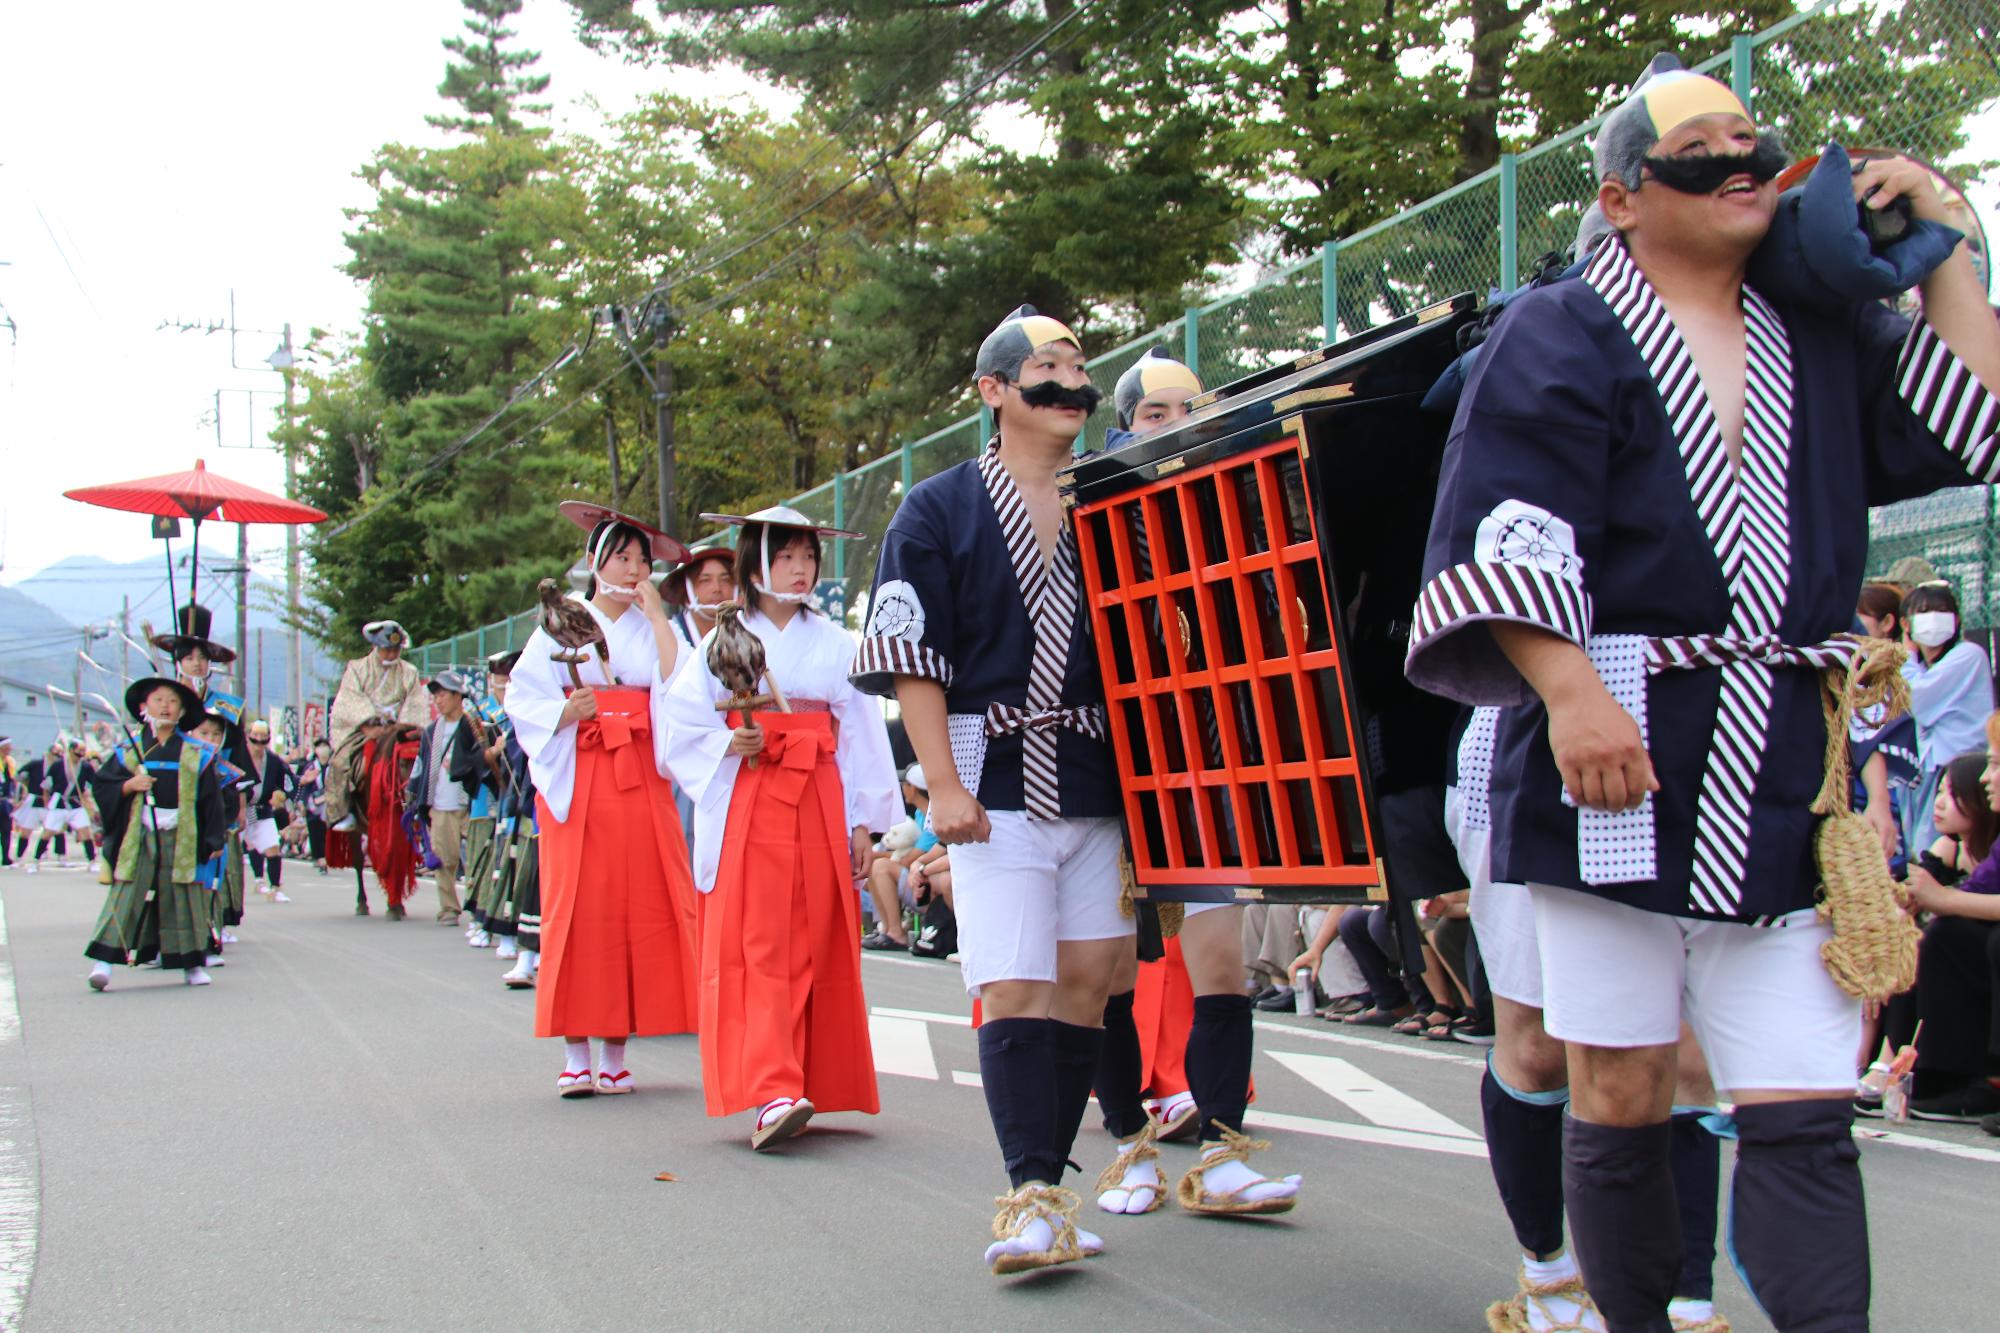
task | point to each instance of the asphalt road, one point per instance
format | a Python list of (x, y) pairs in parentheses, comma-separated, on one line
[(353, 1128)]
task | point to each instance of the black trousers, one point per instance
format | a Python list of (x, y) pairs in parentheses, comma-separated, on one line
[(316, 836), (1958, 998)]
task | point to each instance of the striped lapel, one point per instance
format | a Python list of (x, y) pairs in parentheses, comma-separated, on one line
[(1049, 592), (1746, 514)]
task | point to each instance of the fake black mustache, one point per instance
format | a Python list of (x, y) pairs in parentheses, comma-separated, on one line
[(1051, 394), (1706, 173)]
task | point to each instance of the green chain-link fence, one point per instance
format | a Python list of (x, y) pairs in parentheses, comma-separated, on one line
[(1803, 76)]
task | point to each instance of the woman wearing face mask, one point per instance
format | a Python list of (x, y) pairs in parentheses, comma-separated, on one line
[(617, 906), (1951, 692), (787, 795)]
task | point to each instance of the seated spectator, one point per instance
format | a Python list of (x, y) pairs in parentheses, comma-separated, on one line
[(1271, 941), (1370, 940), (888, 874), (929, 883), (1957, 996)]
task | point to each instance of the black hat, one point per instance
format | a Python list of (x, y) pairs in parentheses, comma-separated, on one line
[(191, 627), (502, 664), (191, 710)]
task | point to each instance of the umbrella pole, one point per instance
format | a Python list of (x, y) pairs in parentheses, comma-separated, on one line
[(168, 543), (194, 569)]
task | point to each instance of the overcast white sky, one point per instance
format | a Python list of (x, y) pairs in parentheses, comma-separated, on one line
[(169, 154), (174, 152)]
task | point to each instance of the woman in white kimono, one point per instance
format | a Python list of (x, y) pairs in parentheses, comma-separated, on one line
[(788, 793), (618, 923)]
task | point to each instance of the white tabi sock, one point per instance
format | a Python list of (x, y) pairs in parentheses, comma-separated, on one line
[(1034, 1234), (1237, 1179), (1135, 1192), (1687, 1310), (576, 1057), (611, 1060), (1546, 1313), (531, 959)]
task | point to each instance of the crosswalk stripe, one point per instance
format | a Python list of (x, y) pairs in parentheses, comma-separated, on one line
[(1376, 1134), (1409, 1049), (902, 1046), (923, 1015), (1369, 1096)]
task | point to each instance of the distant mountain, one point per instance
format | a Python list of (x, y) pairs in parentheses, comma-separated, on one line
[(91, 590)]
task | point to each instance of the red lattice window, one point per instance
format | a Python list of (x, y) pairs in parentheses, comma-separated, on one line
[(1230, 715)]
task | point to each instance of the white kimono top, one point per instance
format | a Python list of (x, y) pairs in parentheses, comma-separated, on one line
[(810, 658), (535, 698)]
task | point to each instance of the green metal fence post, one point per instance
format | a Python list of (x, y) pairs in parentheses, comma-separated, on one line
[(1329, 290), (1741, 54), (480, 660), (1191, 338), (839, 521), (1510, 231), (909, 467), (985, 425)]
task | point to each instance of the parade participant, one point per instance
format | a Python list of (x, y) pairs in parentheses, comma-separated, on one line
[(83, 813), (9, 790), (977, 626), (224, 873), (700, 587), (1664, 734), (520, 869), (450, 766), (787, 791), (587, 700), (1174, 1015), (482, 837), (46, 779), (380, 684), (272, 792), (163, 818), (312, 797)]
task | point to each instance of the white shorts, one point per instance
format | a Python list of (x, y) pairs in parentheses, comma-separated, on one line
[(1759, 999), (78, 819), (1033, 883), (1503, 915)]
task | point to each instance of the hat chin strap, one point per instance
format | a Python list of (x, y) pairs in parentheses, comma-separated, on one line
[(794, 598)]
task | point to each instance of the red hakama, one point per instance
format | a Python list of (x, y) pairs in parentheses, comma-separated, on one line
[(618, 922), (782, 1012), (1163, 1011)]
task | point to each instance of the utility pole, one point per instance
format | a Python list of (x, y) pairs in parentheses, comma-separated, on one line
[(243, 597), (295, 654), (662, 320), (125, 641)]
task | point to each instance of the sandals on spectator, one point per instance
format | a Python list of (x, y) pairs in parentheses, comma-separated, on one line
[(1448, 1031), (1372, 1017)]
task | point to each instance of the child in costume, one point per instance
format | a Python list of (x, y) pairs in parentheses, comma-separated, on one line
[(163, 817)]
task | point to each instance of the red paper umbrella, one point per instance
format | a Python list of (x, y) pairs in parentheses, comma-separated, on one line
[(198, 495)]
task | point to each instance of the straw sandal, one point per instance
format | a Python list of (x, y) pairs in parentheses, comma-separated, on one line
[(578, 1084), (1511, 1315), (1057, 1207), (1236, 1148), (1139, 1150)]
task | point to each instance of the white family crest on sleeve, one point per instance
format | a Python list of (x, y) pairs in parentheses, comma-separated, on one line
[(898, 613), (1519, 533)]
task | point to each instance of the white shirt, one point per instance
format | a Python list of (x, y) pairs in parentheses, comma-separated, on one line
[(809, 658), (445, 794), (535, 698)]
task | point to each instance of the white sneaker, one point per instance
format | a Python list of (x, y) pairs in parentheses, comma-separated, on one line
[(260, 886), (228, 935), (507, 947), (198, 976), (279, 896), (33, 869), (215, 960), (100, 976)]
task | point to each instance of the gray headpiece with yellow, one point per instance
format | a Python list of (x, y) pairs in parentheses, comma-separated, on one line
[(1149, 374)]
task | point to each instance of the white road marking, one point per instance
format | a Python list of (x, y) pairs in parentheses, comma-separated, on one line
[(902, 1046), (965, 1078), (873, 956), (20, 1166), (1368, 1096), (1898, 1139), (923, 1016), (1388, 1138), (1415, 1050)]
